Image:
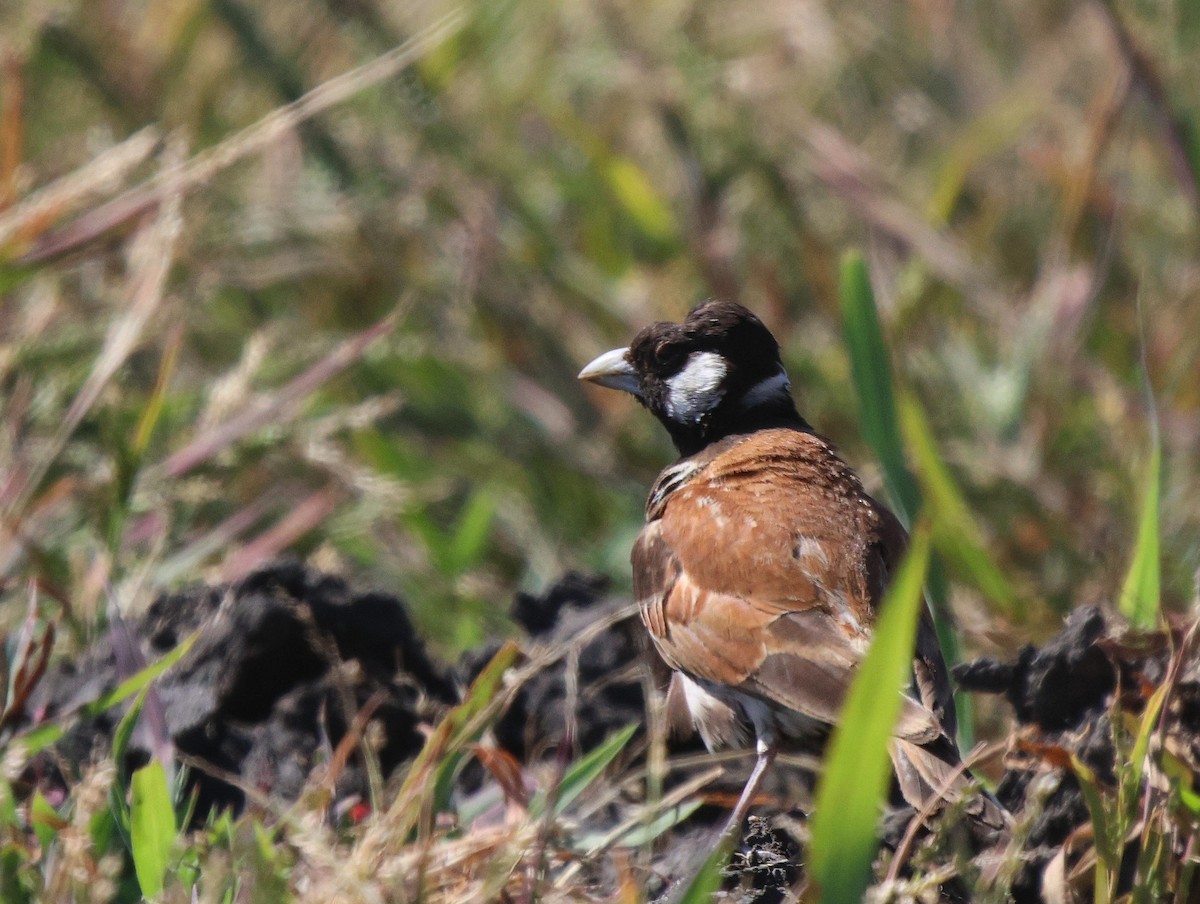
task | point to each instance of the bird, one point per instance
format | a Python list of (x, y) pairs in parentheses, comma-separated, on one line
[(763, 560)]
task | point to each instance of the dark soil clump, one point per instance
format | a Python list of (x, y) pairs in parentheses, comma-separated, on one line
[(288, 660), (1063, 697), (284, 660)]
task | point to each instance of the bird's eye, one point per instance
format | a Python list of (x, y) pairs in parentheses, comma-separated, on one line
[(668, 354)]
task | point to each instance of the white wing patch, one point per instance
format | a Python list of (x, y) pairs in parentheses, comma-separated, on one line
[(696, 390), (716, 719)]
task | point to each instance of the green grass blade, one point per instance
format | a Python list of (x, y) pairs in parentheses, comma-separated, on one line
[(464, 721), (123, 733), (1105, 828), (470, 539), (641, 199), (668, 819), (435, 765), (856, 772), (45, 820), (1140, 594), (41, 737), (151, 826), (121, 738), (955, 533), (707, 880), (583, 772), (871, 369), (136, 683), (1141, 744)]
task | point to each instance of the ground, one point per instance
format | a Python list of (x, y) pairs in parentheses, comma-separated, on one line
[(289, 661)]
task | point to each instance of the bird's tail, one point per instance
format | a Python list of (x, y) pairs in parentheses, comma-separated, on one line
[(932, 773)]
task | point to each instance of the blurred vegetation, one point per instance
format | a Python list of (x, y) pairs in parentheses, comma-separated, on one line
[(349, 327), (533, 186)]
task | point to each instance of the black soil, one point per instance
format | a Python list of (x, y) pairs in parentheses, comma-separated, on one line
[(283, 660), (286, 658)]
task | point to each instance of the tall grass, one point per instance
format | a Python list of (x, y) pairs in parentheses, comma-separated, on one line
[(317, 277)]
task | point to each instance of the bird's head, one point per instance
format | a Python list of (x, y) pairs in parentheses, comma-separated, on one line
[(716, 374)]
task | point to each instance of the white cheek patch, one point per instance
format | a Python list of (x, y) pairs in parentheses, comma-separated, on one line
[(696, 389)]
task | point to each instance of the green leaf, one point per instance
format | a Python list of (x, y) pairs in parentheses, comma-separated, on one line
[(154, 406), (45, 819), (121, 737), (871, 369), (707, 880), (471, 534), (1141, 744), (856, 772), (101, 828), (463, 725), (13, 858), (669, 818), (43, 736), (8, 807), (955, 533), (151, 826), (435, 765), (454, 551), (1153, 864), (1140, 594), (438, 63), (1180, 775), (1106, 829), (583, 772), (124, 730), (636, 193)]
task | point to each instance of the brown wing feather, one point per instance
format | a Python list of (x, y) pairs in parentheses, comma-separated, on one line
[(763, 572)]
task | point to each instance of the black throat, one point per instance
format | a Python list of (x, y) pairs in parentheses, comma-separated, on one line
[(734, 420)]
